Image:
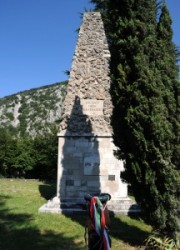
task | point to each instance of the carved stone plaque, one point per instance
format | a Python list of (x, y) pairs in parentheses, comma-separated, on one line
[(92, 107)]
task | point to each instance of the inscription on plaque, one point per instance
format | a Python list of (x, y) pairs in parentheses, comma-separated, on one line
[(92, 107)]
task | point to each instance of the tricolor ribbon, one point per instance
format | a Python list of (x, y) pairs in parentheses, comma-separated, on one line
[(98, 220)]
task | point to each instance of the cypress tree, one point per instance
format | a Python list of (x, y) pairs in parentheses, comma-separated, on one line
[(166, 64), (145, 104), (169, 69)]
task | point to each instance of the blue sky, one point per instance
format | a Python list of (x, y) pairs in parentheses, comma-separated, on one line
[(38, 39)]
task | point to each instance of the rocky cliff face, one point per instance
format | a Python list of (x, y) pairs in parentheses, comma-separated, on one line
[(33, 110)]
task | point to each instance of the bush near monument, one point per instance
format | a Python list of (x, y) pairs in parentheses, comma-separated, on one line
[(27, 157)]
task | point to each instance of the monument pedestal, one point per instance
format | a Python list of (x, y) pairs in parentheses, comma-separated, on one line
[(86, 164)]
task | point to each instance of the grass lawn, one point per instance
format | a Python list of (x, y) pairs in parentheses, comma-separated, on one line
[(22, 227)]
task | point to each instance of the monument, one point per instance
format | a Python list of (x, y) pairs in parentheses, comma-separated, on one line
[(86, 161)]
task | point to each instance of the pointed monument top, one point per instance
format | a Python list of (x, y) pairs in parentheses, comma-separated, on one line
[(87, 106)]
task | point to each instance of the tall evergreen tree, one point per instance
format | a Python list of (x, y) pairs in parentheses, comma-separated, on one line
[(170, 174), (145, 99), (169, 69)]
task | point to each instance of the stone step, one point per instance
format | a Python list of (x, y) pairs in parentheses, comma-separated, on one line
[(121, 206)]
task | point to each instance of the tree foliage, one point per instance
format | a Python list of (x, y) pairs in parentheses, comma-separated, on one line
[(145, 96), (27, 157), (16, 154), (46, 147)]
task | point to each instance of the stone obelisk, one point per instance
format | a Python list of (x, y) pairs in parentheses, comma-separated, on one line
[(86, 161)]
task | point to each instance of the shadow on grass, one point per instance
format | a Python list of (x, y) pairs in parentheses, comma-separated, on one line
[(48, 190), (17, 233), (126, 230), (121, 228)]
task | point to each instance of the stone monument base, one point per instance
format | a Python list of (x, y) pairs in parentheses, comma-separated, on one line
[(68, 206)]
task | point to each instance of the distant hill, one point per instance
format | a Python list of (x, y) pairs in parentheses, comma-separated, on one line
[(29, 112)]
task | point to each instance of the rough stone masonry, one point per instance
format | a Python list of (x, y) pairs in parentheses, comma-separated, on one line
[(86, 162)]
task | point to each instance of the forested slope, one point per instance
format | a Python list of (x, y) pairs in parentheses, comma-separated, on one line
[(31, 111)]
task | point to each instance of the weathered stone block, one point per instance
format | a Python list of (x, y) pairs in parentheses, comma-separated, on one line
[(91, 165), (92, 184), (78, 155), (77, 183)]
